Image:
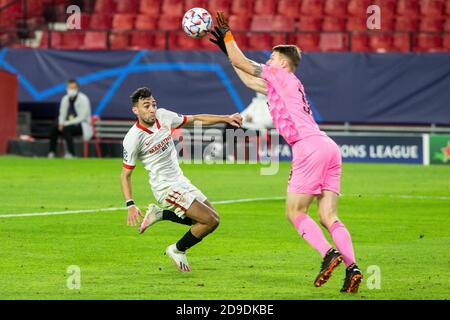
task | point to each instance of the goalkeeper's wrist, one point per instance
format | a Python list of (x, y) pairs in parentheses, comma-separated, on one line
[(129, 203), (228, 37)]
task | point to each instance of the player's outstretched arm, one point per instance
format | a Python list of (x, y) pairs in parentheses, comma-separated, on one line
[(134, 213), (235, 55), (254, 83), (208, 119)]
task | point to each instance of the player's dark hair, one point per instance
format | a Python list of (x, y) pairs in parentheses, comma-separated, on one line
[(140, 93), (70, 81), (292, 52)]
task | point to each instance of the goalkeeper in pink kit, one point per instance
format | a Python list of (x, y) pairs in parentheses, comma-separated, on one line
[(316, 165)]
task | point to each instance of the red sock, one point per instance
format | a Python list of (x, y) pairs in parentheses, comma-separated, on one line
[(312, 233)]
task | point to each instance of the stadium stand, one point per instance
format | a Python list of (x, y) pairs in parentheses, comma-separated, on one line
[(418, 25)]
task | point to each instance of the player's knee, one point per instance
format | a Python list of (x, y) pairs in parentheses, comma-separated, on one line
[(213, 221), (293, 212), (327, 218)]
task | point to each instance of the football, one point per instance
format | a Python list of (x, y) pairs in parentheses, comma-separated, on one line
[(197, 22)]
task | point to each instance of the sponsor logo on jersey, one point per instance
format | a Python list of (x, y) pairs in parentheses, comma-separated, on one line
[(161, 146)]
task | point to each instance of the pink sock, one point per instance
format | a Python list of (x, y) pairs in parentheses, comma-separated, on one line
[(343, 242), (312, 233)]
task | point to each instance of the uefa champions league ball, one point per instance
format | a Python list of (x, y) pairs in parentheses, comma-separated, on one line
[(197, 22)]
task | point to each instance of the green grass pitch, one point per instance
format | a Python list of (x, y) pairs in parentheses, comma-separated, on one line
[(254, 254)]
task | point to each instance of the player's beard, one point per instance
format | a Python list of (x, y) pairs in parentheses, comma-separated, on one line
[(148, 121)]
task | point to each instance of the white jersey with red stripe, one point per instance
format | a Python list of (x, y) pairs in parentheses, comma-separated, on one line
[(155, 148)]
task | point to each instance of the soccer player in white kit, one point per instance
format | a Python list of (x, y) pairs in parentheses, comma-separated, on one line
[(150, 141)]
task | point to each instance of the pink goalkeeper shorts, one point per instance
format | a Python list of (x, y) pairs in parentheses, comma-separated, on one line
[(316, 166)]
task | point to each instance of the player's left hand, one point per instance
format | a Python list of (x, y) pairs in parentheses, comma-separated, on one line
[(235, 120), (134, 215)]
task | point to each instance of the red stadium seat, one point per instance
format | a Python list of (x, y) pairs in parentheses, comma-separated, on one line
[(406, 23), (105, 6), (447, 8), (95, 40), (306, 42), (360, 42), (381, 42), (425, 42), (169, 22), (72, 40), (358, 8), (123, 21), (280, 38), (282, 23), (402, 42), (172, 7), (119, 40), (151, 8), (312, 8), (160, 40), (260, 41), (261, 23), (242, 7), (265, 7), (34, 8), (55, 42), (335, 8), (289, 8), (309, 24), (387, 23), (241, 39), (128, 6), (408, 8), (333, 42), (101, 21), (142, 40), (144, 22), (85, 20), (333, 24), (239, 23), (431, 8), (446, 42), (356, 24), (387, 7), (446, 27), (184, 42), (189, 4), (430, 25), (219, 5)]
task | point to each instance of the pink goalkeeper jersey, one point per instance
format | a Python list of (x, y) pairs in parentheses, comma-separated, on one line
[(291, 113)]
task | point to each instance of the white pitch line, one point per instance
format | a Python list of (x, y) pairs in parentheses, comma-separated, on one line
[(248, 200), (217, 202), (124, 208), (57, 213), (400, 196)]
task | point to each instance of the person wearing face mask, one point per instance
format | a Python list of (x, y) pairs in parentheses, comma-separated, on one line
[(74, 120)]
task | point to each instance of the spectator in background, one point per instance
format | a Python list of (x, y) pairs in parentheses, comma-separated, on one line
[(256, 115), (74, 120)]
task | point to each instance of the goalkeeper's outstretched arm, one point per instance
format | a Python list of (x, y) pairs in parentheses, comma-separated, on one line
[(254, 83)]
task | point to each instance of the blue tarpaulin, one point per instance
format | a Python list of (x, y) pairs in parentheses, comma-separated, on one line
[(393, 88)]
